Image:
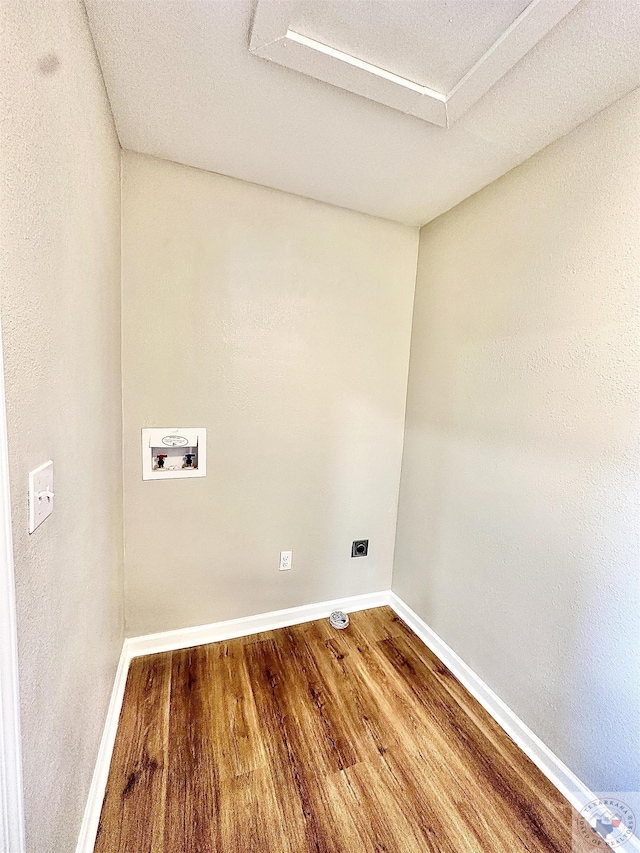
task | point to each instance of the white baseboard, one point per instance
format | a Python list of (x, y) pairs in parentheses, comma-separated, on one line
[(91, 818), (184, 638), (572, 788)]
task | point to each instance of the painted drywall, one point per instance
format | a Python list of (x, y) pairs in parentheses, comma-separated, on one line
[(281, 325), (60, 303), (518, 535)]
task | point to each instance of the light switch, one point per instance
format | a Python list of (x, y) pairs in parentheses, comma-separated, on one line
[(40, 494)]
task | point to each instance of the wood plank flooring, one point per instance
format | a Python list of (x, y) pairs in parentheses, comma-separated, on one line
[(309, 739)]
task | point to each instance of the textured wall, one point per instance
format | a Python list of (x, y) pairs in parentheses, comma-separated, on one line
[(518, 532), (60, 270), (282, 326)]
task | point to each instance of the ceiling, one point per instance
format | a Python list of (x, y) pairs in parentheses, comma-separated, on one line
[(184, 86)]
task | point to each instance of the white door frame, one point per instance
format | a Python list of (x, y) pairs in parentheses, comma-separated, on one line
[(11, 802)]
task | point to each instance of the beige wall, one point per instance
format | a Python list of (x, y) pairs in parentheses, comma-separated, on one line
[(60, 303), (282, 326), (518, 532)]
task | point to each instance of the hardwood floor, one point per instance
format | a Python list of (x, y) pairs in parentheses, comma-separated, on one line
[(311, 739)]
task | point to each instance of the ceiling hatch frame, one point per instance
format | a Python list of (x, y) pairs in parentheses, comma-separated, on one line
[(272, 39)]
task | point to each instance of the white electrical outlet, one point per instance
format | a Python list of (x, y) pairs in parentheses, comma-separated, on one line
[(40, 495), (286, 558)]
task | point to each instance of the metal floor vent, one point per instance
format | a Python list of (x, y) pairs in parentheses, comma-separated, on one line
[(339, 620)]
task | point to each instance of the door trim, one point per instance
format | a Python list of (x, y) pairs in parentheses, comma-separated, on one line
[(12, 834)]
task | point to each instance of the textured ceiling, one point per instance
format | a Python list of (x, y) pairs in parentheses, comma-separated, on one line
[(183, 86)]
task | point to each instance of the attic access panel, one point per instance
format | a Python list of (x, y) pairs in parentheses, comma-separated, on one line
[(432, 59)]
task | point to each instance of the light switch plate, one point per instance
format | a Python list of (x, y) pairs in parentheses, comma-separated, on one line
[(40, 494)]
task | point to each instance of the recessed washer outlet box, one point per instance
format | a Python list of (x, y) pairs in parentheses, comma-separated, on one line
[(174, 453)]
